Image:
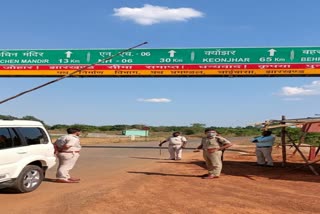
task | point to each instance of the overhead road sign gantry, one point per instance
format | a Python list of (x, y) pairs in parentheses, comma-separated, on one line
[(172, 62)]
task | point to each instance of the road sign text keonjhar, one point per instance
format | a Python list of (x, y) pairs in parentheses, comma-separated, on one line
[(173, 62)]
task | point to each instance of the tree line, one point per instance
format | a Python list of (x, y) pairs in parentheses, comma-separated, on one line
[(193, 129), (186, 130)]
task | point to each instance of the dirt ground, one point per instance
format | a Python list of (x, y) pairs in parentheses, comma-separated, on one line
[(174, 187), (164, 186)]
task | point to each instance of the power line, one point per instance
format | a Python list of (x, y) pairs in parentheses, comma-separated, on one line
[(72, 73)]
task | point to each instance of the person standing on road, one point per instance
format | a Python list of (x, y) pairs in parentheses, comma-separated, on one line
[(213, 145), (67, 150), (264, 145), (176, 144)]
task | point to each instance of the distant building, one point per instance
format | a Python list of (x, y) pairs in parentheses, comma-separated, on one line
[(136, 132)]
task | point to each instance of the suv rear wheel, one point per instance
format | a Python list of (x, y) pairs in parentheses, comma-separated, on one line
[(29, 179)]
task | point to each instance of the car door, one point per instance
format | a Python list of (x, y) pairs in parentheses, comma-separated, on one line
[(37, 141), (11, 151)]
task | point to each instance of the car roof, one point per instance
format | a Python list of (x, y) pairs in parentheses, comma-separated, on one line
[(20, 123)]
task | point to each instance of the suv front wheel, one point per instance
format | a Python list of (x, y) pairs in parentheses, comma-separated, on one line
[(29, 179)]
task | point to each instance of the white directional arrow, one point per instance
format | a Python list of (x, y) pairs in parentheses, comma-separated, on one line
[(68, 54), (292, 55), (192, 56), (172, 53), (272, 52), (88, 57)]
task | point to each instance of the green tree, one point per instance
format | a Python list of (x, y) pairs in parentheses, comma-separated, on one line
[(58, 126), (105, 128), (8, 117), (198, 127), (188, 131)]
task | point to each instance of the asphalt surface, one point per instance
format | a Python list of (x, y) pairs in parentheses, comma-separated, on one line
[(98, 165)]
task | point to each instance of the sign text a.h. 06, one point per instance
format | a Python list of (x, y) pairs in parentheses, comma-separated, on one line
[(197, 62)]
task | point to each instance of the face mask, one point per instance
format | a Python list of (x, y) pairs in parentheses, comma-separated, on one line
[(211, 134)]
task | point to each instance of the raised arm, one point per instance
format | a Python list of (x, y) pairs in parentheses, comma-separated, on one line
[(160, 144)]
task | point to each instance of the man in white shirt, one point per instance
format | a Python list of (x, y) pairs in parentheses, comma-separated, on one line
[(176, 144), (67, 149), (264, 145)]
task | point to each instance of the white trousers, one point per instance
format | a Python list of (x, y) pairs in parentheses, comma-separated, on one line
[(264, 156), (175, 152), (66, 163)]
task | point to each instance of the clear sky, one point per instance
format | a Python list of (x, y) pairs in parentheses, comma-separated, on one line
[(83, 24)]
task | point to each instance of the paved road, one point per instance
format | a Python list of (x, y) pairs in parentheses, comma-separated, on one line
[(134, 178), (99, 165), (112, 158)]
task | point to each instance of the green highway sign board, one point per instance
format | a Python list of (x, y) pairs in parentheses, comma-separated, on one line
[(274, 55), (273, 61)]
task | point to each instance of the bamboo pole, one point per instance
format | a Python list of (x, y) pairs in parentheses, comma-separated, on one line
[(301, 141), (303, 157), (283, 142), (306, 120), (279, 126)]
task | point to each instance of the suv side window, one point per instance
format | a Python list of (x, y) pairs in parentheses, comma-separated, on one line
[(8, 139), (34, 135), (5, 140), (14, 138)]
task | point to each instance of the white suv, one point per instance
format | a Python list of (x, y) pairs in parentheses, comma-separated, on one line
[(26, 152)]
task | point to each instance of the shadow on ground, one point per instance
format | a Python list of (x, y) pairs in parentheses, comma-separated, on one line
[(249, 170)]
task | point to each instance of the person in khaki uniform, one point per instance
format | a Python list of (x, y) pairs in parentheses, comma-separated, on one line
[(67, 150), (213, 146)]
